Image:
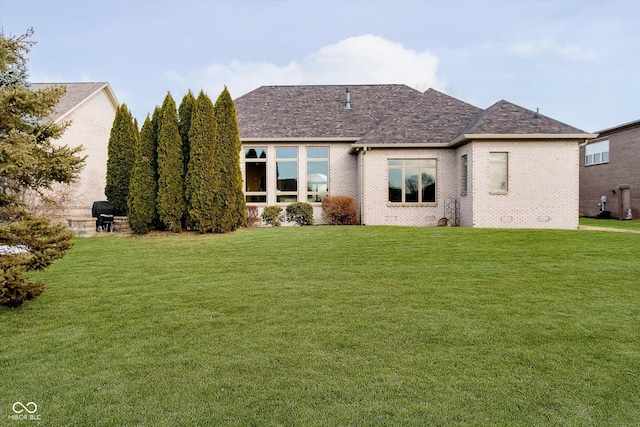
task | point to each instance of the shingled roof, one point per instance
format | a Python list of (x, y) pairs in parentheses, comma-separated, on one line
[(433, 118), (380, 114), (319, 111), (506, 118), (77, 93)]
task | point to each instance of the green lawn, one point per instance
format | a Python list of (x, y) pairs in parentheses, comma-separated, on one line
[(611, 223), (332, 326)]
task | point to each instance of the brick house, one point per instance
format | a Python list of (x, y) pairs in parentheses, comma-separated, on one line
[(90, 108), (408, 157), (609, 173)]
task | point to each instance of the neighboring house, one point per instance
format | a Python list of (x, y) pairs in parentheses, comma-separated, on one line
[(409, 158), (610, 173), (90, 108)]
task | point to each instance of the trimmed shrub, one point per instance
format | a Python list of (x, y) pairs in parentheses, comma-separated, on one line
[(339, 210), (300, 212), (272, 215)]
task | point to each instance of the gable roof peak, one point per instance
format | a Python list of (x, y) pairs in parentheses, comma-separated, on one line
[(505, 117)]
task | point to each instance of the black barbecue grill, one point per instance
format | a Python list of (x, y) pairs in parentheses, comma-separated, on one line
[(103, 212)]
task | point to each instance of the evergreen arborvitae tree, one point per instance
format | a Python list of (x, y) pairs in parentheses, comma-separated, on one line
[(121, 151), (185, 112), (230, 208), (143, 188), (201, 173), (29, 162), (171, 201), (155, 125)]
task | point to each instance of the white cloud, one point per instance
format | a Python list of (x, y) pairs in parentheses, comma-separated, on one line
[(550, 46), (363, 59)]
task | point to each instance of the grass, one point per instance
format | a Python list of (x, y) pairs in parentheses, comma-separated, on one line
[(611, 223), (323, 326)]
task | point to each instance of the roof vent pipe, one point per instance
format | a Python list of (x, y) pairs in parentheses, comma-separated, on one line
[(347, 104), (537, 113)]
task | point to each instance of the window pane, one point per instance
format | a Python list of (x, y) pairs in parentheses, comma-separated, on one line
[(287, 198), (256, 199), (395, 162), (465, 175), (395, 185), (498, 172), (596, 158), (287, 173), (287, 153), (605, 156), (589, 159), (256, 175), (255, 153), (317, 153), (411, 185), (428, 187), (318, 178)]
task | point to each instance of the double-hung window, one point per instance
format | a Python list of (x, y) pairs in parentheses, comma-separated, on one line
[(317, 173), (412, 180), (255, 167), (596, 152), (287, 174)]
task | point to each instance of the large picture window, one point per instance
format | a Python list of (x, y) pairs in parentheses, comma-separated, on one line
[(287, 174), (498, 173), (317, 173), (412, 180), (255, 165), (597, 152)]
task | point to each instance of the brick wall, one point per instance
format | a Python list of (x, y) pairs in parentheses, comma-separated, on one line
[(466, 200), (623, 169), (378, 211), (542, 185)]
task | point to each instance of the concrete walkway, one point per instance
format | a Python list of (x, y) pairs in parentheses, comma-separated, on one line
[(619, 230)]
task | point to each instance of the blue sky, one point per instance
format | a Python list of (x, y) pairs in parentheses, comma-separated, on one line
[(577, 61)]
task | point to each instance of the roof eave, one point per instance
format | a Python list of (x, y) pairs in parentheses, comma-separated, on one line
[(465, 138), (290, 140), (357, 146)]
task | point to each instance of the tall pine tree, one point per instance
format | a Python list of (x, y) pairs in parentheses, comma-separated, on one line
[(29, 162), (230, 208), (121, 152), (143, 188), (201, 174), (171, 200)]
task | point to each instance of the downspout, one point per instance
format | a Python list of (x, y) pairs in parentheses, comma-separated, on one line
[(362, 187)]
